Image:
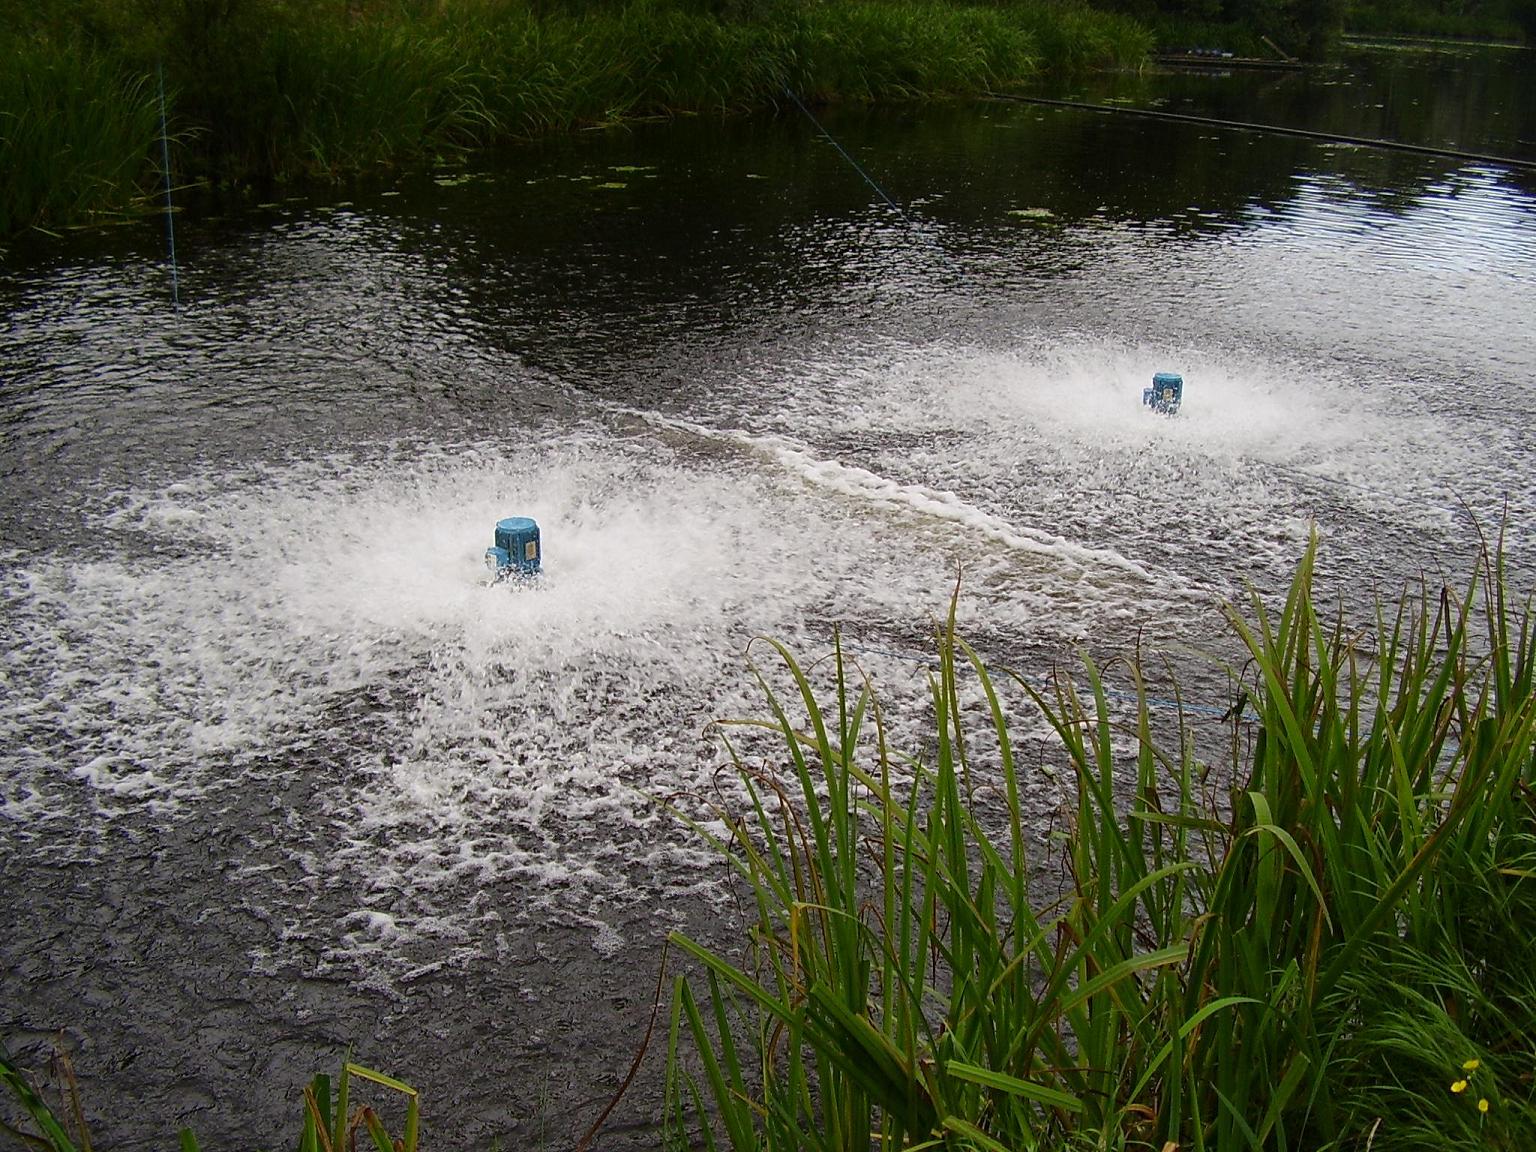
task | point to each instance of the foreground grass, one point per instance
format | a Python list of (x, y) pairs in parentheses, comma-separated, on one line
[(1324, 943), (263, 90), (328, 1122)]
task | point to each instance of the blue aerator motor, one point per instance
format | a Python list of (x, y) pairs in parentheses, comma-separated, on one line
[(1166, 393), (516, 552)]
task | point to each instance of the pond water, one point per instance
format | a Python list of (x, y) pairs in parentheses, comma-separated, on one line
[(280, 774)]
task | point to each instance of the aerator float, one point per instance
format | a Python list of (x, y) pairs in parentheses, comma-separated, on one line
[(515, 555), (1166, 393)]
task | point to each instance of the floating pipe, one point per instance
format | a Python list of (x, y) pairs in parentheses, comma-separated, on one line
[(1244, 126)]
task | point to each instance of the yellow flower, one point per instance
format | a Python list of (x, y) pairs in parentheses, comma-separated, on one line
[(1471, 1065), (1482, 1105), (1459, 1086)]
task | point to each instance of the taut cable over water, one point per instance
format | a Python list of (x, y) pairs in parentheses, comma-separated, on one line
[(843, 152)]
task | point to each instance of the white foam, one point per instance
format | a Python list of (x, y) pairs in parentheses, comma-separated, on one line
[(863, 484)]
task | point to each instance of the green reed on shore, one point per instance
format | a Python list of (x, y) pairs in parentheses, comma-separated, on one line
[(1322, 943), (328, 1121), (78, 134), (264, 90)]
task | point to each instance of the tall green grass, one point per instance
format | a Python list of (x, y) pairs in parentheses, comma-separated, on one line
[(78, 134), (1303, 946), (266, 90)]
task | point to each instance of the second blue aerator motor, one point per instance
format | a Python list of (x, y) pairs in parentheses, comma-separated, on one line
[(516, 554), (1166, 393)]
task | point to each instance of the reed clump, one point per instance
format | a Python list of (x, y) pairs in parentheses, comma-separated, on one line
[(267, 90), (1320, 940), (77, 135), (330, 1118)]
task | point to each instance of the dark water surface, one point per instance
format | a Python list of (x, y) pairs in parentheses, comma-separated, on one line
[(280, 775)]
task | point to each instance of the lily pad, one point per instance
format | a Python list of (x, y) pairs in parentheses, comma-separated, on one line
[(612, 184), (1032, 213)]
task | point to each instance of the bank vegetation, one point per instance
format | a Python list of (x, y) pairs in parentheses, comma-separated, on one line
[(259, 91), (256, 92)]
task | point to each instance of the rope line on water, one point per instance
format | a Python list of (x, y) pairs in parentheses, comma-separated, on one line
[(165, 159), (841, 150), (1276, 129)]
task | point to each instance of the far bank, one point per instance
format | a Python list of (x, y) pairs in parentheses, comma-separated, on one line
[(263, 91)]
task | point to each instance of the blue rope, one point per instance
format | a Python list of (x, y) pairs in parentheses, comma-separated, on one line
[(841, 150), (165, 158)]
